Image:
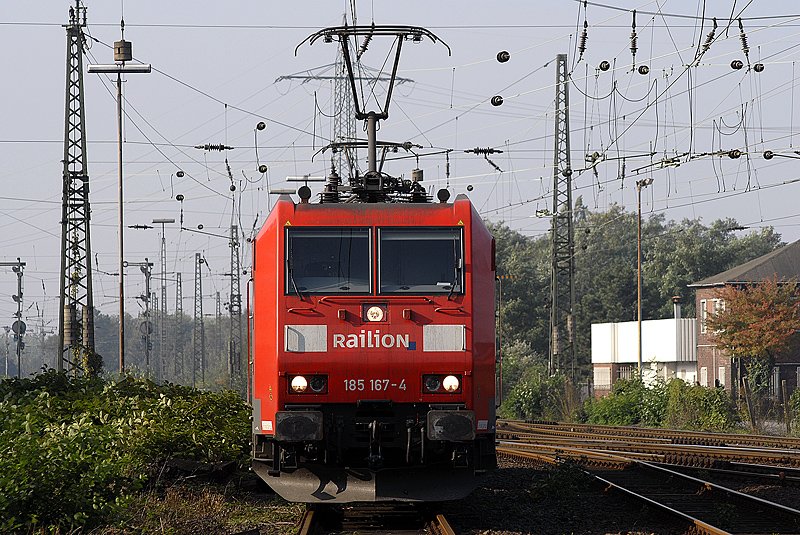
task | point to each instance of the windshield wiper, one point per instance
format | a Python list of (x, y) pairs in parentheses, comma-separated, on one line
[(457, 271), (291, 278)]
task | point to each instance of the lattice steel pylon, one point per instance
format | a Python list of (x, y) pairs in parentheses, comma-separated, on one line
[(162, 310), (562, 287), (76, 336), (344, 118), (177, 338), (198, 329), (235, 310)]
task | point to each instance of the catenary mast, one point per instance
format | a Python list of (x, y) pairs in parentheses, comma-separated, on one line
[(76, 308), (562, 288)]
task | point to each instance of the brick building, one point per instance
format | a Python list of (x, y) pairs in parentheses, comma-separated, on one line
[(714, 366)]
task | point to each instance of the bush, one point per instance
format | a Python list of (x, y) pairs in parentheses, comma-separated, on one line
[(674, 404), (538, 396), (699, 408), (622, 406), (74, 450), (794, 407)]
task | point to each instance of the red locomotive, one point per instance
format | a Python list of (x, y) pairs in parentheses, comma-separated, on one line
[(374, 345)]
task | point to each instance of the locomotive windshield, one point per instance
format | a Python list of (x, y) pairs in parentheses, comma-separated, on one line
[(329, 260), (420, 260)]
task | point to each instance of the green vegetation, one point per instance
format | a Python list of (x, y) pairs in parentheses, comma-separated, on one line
[(794, 408), (183, 508), (675, 254), (529, 392), (75, 451), (674, 404)]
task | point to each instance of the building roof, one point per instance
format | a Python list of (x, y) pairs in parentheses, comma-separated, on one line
[(783, 263)]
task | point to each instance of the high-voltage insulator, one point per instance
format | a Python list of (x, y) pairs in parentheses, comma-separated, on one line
[(634, 39), (644, 69), (582, 41), (604, 65), (179, 197), (213, 146), (503, 56), (497, 100), (364, 46), (743, 38), (737, 64), (734, 154), (768, 154), (262, 168), (232, 187), (758, 67), (180, 174), (331, 191), (469, 187), (484, 151), (710, 37), (261, 125), (496, 167)]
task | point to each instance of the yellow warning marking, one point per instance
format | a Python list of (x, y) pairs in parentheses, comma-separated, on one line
[(287, 224), (460, 222)]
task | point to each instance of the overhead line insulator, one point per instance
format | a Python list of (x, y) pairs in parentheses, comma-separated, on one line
[(212, 146)]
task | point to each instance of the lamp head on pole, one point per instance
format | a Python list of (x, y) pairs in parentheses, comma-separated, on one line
[(643, 183)]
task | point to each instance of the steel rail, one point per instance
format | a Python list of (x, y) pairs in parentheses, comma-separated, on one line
[(689, 498), (702, 455), (774, 475), (438, 525), (677, 436), (308, 523)]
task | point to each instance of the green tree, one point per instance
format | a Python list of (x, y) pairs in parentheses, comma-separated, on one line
[(678, 254), (758, 322), (524, 268), (675, 254)]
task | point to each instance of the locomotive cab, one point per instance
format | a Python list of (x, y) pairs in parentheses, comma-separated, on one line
[(374, 351)]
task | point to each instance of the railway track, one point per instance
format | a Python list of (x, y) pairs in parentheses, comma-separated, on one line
[(647, 434), (705, 506), (708, 450), (770, 475), (384, 518)]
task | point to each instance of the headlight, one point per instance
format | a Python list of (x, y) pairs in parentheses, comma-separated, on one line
[(451, 383), (432, 383), (308, 384), (318, 384), (441, 384), (299, 384)]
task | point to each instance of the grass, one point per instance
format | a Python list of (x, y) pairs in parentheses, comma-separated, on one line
[(206, 509)]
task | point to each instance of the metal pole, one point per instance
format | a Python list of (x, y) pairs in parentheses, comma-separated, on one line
[(20, 329), (149, 326), (121, 227), (7, 328), (249, 350), (162, 326), (643, 183), (122, 53), (639, 274), (372, 142)]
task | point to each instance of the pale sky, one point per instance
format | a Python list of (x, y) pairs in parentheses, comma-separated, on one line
[(209, 54)]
